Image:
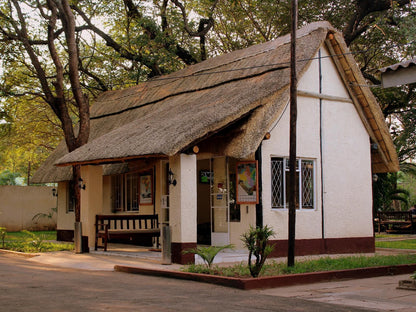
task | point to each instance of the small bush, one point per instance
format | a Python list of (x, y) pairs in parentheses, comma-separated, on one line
[(26, 241), (3, 233), (256, 240), (207, 253)]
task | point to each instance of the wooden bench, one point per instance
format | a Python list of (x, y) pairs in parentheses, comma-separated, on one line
[(125, 227), (396, 221)]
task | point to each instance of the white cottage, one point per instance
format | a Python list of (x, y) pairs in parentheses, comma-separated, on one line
[(206, 149)]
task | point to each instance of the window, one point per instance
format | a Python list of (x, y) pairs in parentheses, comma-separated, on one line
[(304, 175), (125, 192), (117, 198), (71, 197)]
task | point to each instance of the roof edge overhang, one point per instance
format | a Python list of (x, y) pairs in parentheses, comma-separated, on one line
[(111, 160)]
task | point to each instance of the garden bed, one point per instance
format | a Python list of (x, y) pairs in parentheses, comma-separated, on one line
[(33, 242), (274, 281), (278, 274)]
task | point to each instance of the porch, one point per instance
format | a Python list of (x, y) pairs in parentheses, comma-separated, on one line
[(152, 255), (196, 195)]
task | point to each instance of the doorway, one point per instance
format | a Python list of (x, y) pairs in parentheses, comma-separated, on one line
[(203, 202), (213, 214)]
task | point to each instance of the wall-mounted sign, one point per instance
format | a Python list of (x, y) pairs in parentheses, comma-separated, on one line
[(146, 189), (247, 182)]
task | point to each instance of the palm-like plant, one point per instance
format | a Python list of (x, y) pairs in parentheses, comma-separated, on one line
[(256, 240), (207, 254), (386, 191)]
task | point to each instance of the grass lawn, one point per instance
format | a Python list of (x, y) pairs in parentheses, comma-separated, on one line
[(390, 235), (273, 268), (400, 244), (19, 236), (37, 241)]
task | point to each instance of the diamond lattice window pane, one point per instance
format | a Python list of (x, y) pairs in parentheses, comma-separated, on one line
[(277, 183), (307, 184)]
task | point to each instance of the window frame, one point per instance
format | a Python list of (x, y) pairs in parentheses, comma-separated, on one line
[(285, 168), (128, 186)]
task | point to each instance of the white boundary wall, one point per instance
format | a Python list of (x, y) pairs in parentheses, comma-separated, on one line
[(19, 204)]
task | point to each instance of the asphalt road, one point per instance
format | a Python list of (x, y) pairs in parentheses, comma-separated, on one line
[(29, 286)]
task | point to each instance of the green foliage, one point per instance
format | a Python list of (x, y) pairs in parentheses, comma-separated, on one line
[(236, 270), (21, 236), (43, 215), (35, 240), (345, 263), (386, 191), (26, 241), (3, 234), (256, 240), (399, 244), (8, 178), (207, 253), (408, 182), (274, 268)]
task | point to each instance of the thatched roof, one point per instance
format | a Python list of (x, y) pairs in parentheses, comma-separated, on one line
[(247, 89)]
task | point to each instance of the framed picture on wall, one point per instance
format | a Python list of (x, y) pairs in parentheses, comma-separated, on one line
[(146, 189), (247, 182)]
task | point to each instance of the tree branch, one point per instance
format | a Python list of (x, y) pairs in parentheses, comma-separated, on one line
[(110, 42), (68, 21), (364, 8)]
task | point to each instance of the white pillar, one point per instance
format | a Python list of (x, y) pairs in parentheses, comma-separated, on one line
[(91, 200), (183, 205)]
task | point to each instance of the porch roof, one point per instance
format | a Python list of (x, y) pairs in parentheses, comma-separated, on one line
[(247, 89)]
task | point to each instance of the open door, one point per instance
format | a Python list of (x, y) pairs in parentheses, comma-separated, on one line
[(219, 199)]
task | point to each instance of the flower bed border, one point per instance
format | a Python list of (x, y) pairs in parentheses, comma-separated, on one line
[(274, 281)]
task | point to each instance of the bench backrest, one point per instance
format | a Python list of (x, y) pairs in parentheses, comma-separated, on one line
[(128, 221), (395, 215)]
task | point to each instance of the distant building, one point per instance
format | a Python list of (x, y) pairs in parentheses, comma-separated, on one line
[(399, 74)]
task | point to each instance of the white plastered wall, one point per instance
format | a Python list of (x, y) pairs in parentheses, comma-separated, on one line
[(346, 160), (65, 219), (182, 198)]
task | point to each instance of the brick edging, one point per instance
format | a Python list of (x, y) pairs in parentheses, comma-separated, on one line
[(274, 281), (19, 253)]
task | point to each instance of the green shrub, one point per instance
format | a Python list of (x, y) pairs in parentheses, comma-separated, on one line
[(256, 240), (207, 253), (3, 233), (35, 240)]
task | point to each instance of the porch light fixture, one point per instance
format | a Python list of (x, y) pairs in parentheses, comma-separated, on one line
[(375, 177), (54, 192), (81, 184), (171, 179)]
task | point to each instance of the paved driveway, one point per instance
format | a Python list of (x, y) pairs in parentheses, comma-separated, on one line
[(29, 286)]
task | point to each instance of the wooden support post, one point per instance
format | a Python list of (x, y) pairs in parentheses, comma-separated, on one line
[(292, 144)]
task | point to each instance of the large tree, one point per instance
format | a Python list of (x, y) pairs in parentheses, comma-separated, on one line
[(44, 45)]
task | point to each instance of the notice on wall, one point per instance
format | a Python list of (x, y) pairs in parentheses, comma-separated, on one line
[(247, 182)]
